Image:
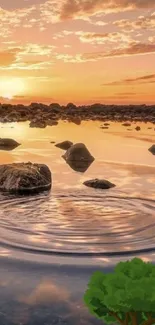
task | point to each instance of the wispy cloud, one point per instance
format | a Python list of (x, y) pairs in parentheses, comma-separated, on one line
[(144, 79), (141, 23)]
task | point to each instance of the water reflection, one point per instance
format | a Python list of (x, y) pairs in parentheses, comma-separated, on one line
[(79, 166)]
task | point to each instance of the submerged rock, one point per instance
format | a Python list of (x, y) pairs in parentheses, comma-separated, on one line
[(78, 152), (25, 178), (65, 145), (99, 183), (152, 149), (8, 144)]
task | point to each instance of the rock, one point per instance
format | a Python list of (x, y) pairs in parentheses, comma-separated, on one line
[(78, 152), (25, 178), (38, 124), (126, 124), (71, 106), (65, 145), (51, 122), (152, 149), (52, 142), (106, 124), (76, 120), (137, 128), (8, 144), (104, 127), (99, 183)]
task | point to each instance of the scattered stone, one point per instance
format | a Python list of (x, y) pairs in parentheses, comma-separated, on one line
[(51, 122), (25, 178), (137, 128), (38, 124), (125, 114), (76, 120), (65, 145), (99, 183), (126, 124), (8, 144), (152, 149)]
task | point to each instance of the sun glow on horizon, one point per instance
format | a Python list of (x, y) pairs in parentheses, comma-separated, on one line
[(10, 88)]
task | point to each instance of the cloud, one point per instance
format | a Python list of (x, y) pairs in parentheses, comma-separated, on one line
[(131, 49), (144, 79), (27, 57), (101, 38), (147, 22), (77, 8), (8, 57)]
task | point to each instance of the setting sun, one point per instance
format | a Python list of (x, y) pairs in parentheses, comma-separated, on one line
[(12, 87)]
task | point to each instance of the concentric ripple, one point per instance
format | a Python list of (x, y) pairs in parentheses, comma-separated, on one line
[(78, 224)]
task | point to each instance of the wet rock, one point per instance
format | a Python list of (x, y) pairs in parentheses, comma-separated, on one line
[(65, 145), (25, 178), (8, 144), (137, 128), (76, 120), (126, 124), (99, 183), (71, 106), (38, 124), (152, 149), (51, 122), (78, 152)]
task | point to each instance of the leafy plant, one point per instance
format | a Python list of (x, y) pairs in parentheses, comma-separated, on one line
[(126, 296)]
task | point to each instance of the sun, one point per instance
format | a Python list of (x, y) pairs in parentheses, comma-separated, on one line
[(12, 87)]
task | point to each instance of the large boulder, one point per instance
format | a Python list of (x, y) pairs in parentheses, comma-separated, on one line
[(99, 183), (65, 145), (8, 144), (152, 149), (78, 152), (25, 178)]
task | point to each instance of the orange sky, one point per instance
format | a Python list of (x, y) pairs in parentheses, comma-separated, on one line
[(80, 51)]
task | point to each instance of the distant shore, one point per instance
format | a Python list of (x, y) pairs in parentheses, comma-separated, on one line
[(41, 115)]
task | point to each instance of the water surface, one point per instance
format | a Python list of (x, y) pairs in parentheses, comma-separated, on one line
[(55, 240)]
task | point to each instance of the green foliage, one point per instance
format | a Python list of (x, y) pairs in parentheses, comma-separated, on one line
[(129, 289)]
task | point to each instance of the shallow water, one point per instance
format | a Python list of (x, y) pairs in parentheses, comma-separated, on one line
[(58, 238)]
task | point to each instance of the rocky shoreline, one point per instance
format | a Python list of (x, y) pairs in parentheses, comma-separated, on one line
[(41, 115)]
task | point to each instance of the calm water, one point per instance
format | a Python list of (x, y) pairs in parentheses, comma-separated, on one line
[(51, 243)]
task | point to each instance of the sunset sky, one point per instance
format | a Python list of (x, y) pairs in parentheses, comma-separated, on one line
[(81, 51)]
